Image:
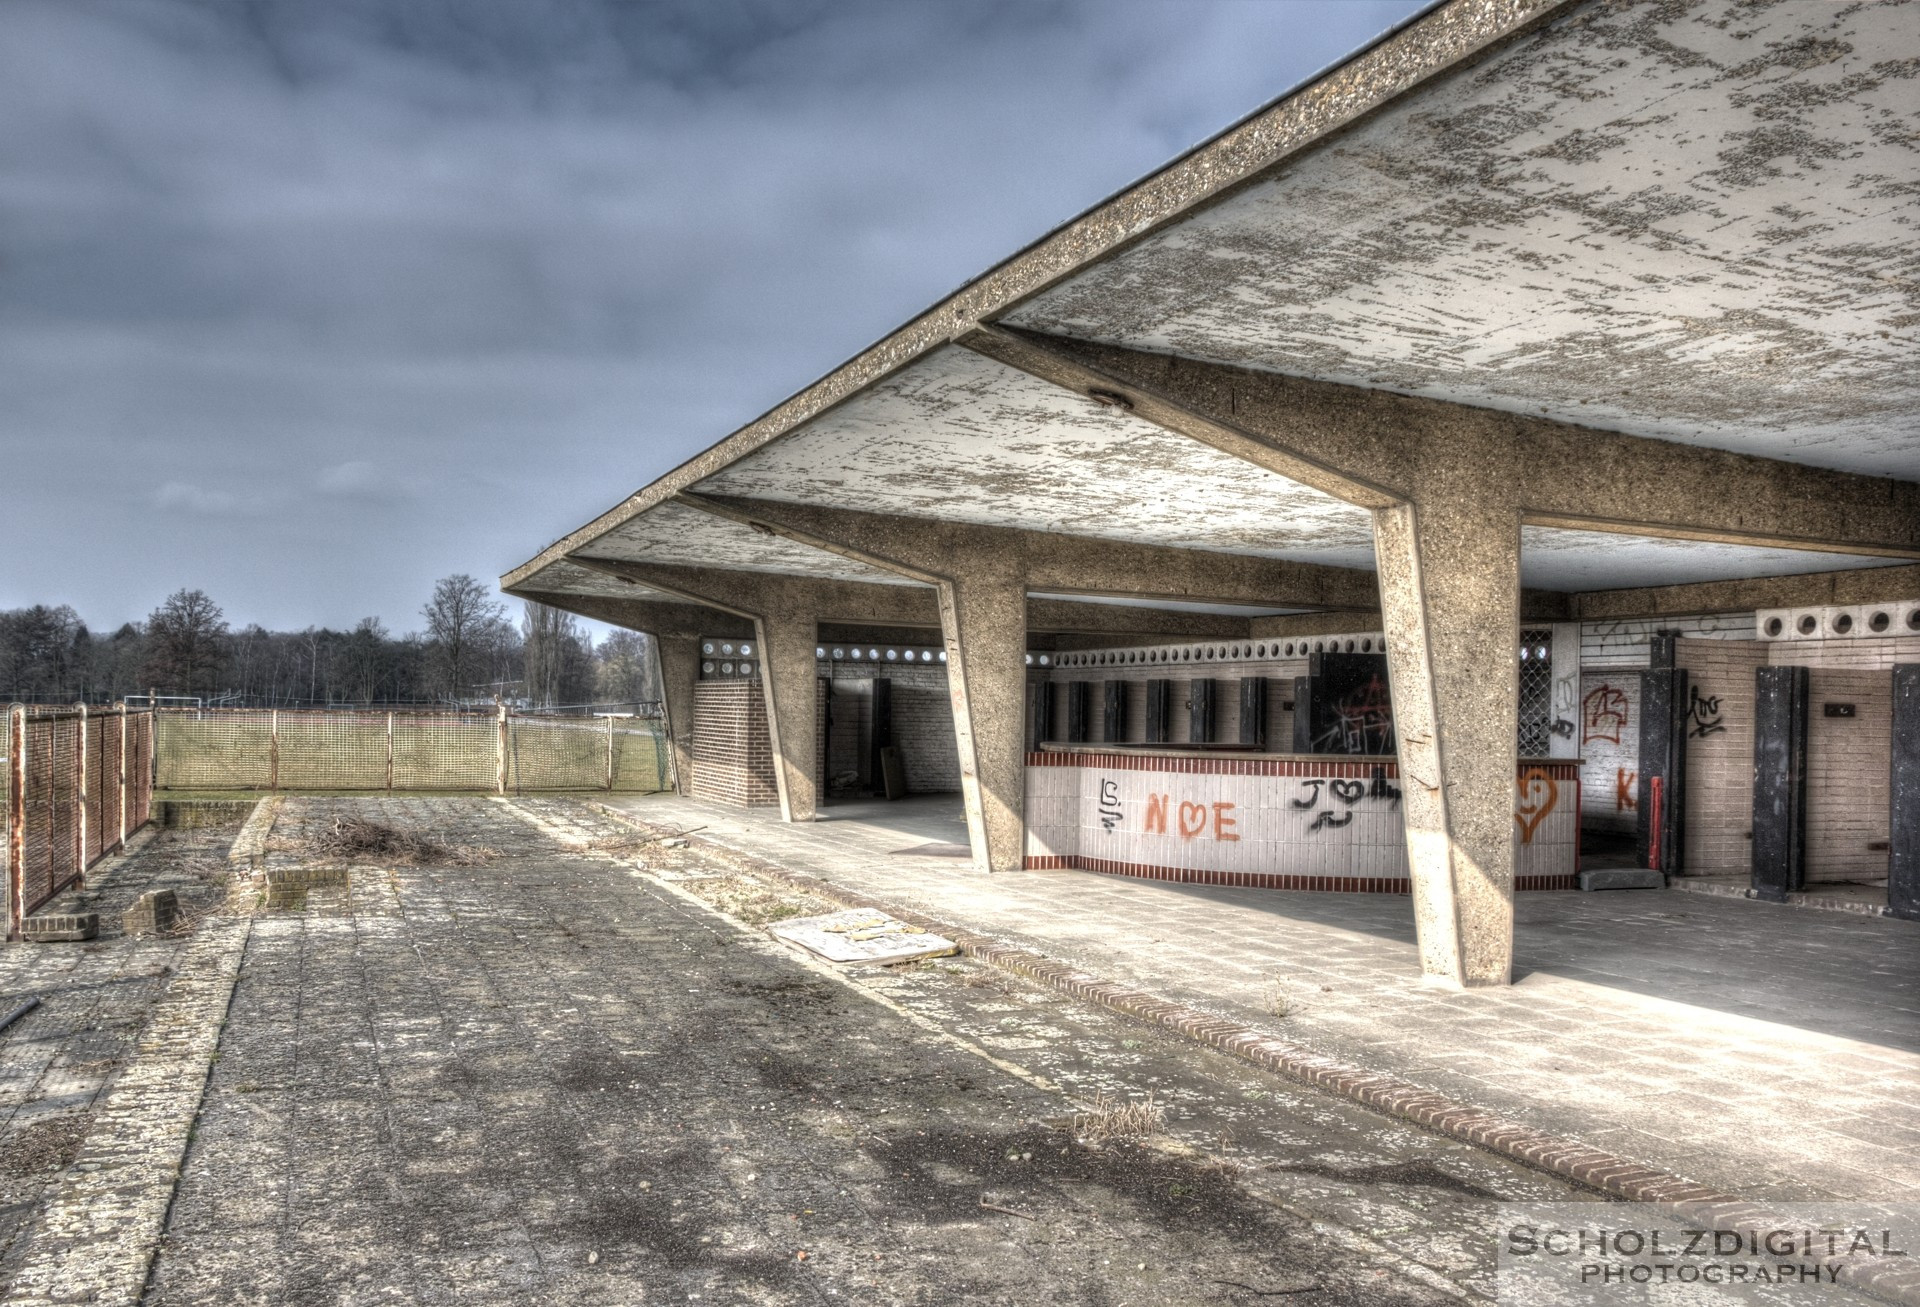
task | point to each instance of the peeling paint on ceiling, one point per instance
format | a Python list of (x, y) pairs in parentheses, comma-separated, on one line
[(964, 438), (1553, 559), (1694, 220), (686, 537)]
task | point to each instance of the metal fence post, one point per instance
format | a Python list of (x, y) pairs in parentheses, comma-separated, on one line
[(609, 753), (273, 749), (123, 773), (389, 753), (500, 749), (84, 794)]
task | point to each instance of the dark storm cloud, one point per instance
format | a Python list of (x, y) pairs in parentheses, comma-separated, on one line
[(310, 302)]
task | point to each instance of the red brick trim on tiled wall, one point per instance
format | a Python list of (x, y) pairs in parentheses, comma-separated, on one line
[(1258, 879)]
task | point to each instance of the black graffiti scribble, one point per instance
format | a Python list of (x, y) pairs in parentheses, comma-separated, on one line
[(1380, 789), (1110, 810), (1331, 820), (1313, 795), (1348, 792), (1362, 722), (1704, 712), (1562, 728)]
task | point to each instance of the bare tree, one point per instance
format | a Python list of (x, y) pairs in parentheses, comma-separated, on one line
[(623, 668), (559, 657), (186, 642), (462, 623)]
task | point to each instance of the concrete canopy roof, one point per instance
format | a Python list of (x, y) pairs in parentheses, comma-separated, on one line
[(1691, 221), (958, 436)]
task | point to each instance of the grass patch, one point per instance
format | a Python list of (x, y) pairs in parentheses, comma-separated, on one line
[(1110, 1118)]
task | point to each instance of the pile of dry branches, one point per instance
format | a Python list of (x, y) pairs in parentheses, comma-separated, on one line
[(359, 839)]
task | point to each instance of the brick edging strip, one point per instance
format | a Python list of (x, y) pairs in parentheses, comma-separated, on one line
[(1593, 1168)]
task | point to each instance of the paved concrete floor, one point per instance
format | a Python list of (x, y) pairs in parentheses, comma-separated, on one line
[(551, 1078), (1766, 1051), (57, 1062)]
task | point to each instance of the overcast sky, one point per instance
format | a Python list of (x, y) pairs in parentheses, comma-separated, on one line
[(309, 302)]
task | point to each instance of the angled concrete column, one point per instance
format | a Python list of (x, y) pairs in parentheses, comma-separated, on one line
[(679, 657), (1450, 592), (983, 615), (789, 672)]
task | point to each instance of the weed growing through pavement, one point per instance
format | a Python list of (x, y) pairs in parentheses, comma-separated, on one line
[(1110, 1118), (1278, 1000)]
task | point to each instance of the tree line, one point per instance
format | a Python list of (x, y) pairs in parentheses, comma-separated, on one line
[(468, 651)]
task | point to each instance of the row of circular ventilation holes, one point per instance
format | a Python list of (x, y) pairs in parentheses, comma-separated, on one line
[(1365, 644)]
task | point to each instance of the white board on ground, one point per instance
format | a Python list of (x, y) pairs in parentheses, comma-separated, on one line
[(862, 935)]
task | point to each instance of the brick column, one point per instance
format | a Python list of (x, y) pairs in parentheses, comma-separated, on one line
[(789, 671), (679, 657), (1450, 590), (983, 616)]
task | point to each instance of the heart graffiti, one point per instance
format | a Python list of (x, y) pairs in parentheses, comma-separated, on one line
[(1539, 792)]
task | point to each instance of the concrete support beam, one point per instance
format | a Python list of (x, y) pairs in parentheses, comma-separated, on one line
[(1450, 578), (790, 675), (1051, 562), (1856, 585), (863, 603), (655, 617), (983, 615), (1376, 448)]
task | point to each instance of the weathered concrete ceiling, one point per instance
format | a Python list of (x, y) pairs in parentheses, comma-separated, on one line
[(963, 438), (1688, 220), (1554, 559), (681, 536)]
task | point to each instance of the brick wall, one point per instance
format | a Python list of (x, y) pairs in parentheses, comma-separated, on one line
[(1719, 826), (732, 751), (1869, 652), (1609, 735), (923, 730), (1849, 765)]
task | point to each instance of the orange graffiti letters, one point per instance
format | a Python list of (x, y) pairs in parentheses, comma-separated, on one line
[(1223, 824), (1157, 813), (1625, 798)]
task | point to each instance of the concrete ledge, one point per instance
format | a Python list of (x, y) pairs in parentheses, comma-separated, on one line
[(60, 927), (1592, 1168), (301, 877), (1813, 899), (248, 853), (1622, 878)]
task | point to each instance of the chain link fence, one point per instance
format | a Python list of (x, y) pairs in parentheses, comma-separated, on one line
[(506, 753), (77, 783)]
